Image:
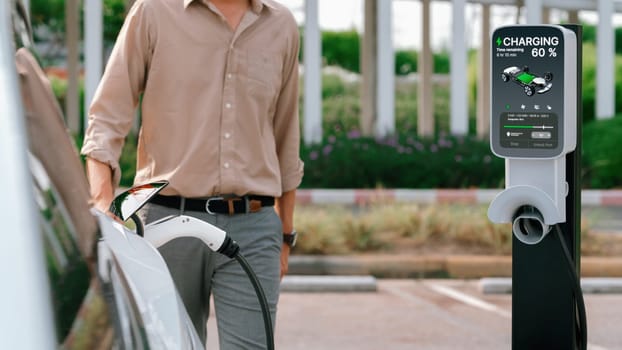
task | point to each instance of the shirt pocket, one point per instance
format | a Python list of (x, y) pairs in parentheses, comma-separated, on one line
[(264, 74)]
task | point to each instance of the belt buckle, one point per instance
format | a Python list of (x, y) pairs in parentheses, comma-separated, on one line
[(231, 200), (207, 202)]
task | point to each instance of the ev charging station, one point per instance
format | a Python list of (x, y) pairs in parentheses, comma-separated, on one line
[(536, 127)]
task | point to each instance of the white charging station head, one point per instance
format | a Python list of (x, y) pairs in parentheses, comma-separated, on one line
[(533, 84), (533, 124)]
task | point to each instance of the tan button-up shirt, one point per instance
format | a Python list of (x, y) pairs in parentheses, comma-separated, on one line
[(219, 107)]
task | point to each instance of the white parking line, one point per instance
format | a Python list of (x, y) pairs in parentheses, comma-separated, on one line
[(469, 300), (591, 346), (481, 304)]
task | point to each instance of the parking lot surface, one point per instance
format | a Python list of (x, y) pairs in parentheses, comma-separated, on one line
[(417, 314)]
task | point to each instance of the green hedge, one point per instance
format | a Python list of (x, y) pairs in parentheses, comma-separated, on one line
[(602, 162), (341, 49), (348, 160)]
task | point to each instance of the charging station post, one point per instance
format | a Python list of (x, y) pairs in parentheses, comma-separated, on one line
[(536, 126)]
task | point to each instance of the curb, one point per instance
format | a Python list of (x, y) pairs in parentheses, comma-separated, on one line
[(451, 266), (433, 196), (591, 285), (326, 284)]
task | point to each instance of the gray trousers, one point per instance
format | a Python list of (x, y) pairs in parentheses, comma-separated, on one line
[(198, 272)]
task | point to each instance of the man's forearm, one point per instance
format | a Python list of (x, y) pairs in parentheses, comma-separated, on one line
[(100, 181), (285, 208)]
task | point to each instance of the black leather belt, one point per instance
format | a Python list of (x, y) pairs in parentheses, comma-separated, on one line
[(217, 205)]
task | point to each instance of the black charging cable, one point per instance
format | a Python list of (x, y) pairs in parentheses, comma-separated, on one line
[(231, 249), (265, 309), (580, 317)]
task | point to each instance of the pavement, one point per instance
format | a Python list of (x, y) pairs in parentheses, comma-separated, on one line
[(407, 313)]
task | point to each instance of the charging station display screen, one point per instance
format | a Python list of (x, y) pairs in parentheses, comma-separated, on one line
[(527, 91)]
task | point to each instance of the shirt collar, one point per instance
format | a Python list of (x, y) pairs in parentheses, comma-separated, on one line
[(256, 5)]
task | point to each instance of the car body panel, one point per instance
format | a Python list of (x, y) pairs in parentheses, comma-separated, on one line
[(150, 286), (57, 295), (512, 70), (25, 303), (67, 269)]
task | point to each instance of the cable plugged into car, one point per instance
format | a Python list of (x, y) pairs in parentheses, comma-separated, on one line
[(171, 227)]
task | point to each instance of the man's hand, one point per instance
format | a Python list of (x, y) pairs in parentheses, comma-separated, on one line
[(100, 182), (284, 260), (285, 208)]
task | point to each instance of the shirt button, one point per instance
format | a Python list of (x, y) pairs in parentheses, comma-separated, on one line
[(229, 75), (228, 105), (227, 135), (226, 165)]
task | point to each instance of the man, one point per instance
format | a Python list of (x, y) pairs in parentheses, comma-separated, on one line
[(219, 85)]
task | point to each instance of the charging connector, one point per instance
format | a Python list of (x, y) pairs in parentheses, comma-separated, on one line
[(528, 225)]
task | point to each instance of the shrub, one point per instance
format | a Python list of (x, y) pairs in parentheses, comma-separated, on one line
[(412, 228), (342, 49), (59, 88), (396, 227), (347, 160), (589, 82), (602, 166), (405, 62), (127, 162), (341, 105), (442, 62)]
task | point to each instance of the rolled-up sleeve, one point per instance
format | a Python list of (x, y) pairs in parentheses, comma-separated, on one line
[(114, 104), (286, 120)]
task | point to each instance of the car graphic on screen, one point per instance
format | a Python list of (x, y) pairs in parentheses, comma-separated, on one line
[(530, 82)]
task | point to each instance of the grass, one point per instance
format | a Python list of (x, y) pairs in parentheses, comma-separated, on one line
[(417, 229)]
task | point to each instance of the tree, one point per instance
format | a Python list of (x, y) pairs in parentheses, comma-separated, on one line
[(114, 15), (48, 22)]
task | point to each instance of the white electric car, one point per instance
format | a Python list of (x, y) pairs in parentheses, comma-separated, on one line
[(72, 278)]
